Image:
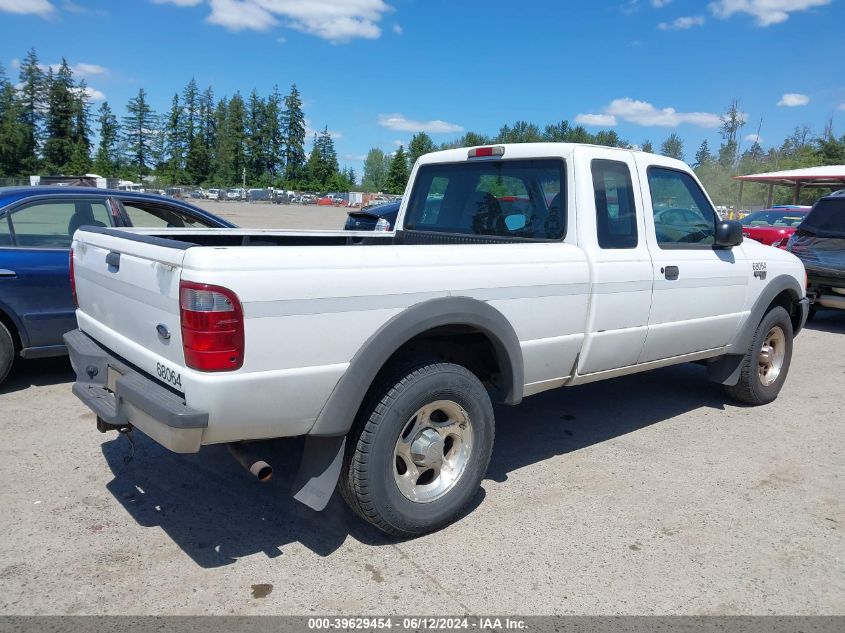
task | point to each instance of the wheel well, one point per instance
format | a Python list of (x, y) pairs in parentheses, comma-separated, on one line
[(788, 300), (462, 345), (6, 320)]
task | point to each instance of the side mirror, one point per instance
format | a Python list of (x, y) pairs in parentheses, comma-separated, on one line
[(728, 234)]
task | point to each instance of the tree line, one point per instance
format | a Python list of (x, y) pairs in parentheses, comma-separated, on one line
[(46, 126), (716, 168)]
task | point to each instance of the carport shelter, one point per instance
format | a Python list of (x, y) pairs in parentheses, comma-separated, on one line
[(830, 176)]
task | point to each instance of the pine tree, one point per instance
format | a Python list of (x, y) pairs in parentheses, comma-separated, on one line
[(106, 162), (80, 162), (257, 145), (236, 136), (397, 177), (420, 144), (648, 147), (139, 129), (13, 133), (190, 101), (58, 147), (673, 147), (174, 142), (198, 161), (293, 126), (33, 85), (732, 122), (221, 159), (273, 134), (703, 157)]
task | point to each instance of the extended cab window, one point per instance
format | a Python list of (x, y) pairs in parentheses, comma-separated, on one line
[(616, 214), (683, 217), (519, 199), (51, 224)]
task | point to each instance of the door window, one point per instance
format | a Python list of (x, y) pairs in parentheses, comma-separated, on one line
[(616, 214), (146, 215), (51, 224), (683, 217)]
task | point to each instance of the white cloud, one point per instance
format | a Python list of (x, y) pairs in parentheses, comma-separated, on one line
[(94, 94), (358, 157), (397, 29), (310, 132), (682, 23), (86, 70), (644, 113), (596, 120), (334, 20), (765, 12), (841, 106), (793, 100), (399, 123), (28, 7), (659, 4), (753, 138)]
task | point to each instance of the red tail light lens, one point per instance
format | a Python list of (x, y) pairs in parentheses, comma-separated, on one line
[(72, 281), (212, 327)]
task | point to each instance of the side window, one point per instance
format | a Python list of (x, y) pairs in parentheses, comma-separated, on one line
[(5, 233), (51, 224), (616, 213), (155, 216), (683, 217), (517, 199)]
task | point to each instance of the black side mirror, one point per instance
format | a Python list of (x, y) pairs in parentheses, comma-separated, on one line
[(728, 234)]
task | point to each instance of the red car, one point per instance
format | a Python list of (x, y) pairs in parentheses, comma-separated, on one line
[(774, 226)]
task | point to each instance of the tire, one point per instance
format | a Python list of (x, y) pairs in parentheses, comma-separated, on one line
[(416, 413), (7, 352), (764, 370)]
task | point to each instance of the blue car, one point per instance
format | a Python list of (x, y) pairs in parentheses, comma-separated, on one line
[(378, 218), (36, 229)]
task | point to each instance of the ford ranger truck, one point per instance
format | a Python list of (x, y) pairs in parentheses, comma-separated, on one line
[(514, 269)]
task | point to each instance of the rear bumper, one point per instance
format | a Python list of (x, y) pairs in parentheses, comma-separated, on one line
[(121, 395)]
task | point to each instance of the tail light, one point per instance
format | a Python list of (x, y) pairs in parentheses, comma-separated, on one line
[(382, 225), (72, 281), (212, 327)]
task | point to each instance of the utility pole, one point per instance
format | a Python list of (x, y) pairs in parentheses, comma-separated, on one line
[(244, 179)]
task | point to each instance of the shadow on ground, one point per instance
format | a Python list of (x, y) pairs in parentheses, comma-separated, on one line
[(826, 320), (217, 514), (37, 373)]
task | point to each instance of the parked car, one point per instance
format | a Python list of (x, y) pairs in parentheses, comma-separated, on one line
[(213, 194), (388, 355), (819, 242), (235, 194), (36, 228), (377, 218), (774, 226)]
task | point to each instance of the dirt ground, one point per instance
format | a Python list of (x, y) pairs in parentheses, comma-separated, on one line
[(649, 494), (276, 216)]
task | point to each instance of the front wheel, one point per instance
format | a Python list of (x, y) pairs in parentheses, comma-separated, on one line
[(419, 449), (767, 361)]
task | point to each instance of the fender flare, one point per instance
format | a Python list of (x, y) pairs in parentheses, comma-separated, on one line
[(726, 369), (338, 414)]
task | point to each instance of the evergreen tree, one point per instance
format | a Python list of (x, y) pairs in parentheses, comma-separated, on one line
[(33, 86), (13, 133), (236, 137), (732, 122), (174, 142), (375, 173), (521, 132), (673, 147), (397, 177), (420, 144), (293, 126), (351, 177), (198, 160), (58, 146), (322, 168), (80, 161), (139, 128), (107, 160), (273, 134), (221, 157), (703, 157), (648, 147), (190, 121), (257, 145)]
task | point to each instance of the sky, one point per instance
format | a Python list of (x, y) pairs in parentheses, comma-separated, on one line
[(377, 71)]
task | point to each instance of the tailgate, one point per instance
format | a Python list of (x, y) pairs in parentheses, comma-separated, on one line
[(127, 288)]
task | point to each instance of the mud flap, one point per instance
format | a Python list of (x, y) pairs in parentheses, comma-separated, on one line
[(725, 369), (318, 471)]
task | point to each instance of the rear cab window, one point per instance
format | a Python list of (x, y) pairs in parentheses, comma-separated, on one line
[(509, 199)]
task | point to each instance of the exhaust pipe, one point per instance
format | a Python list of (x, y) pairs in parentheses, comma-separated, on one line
[(258, 468), (832, 301)]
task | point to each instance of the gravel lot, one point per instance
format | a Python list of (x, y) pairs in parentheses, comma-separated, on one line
[(649, 494), (276, 216)]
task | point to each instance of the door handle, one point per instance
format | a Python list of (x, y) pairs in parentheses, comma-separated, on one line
[(671, 272), (113, 260), (5, 272)]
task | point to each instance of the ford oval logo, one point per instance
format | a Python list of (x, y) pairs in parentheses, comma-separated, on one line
[(163, 332)]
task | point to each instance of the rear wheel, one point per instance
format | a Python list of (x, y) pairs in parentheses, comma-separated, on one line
[(766, 364), (419, 449), (7, 352)]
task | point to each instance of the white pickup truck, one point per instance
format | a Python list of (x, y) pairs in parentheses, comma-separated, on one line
[(515, 269)]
